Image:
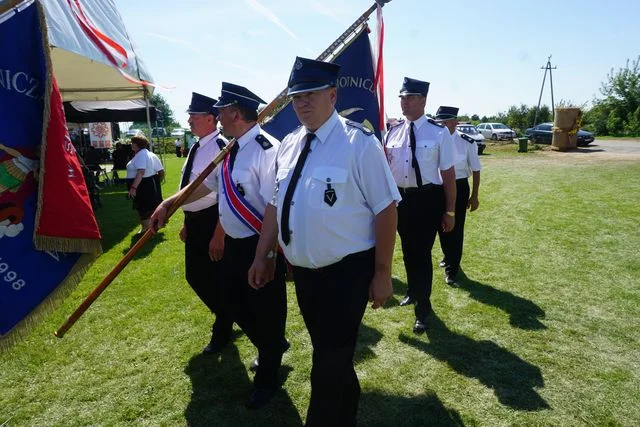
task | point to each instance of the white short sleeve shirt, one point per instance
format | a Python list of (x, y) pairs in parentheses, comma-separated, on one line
[(434, 152), (255, 175), (347, 162), (468, 152)]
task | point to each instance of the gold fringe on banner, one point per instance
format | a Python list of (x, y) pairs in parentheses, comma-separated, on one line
[(90, 249), (48, 305)]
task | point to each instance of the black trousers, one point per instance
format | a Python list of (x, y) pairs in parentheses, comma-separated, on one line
[(419, 218), (203, 275), (452, 242), (332, 301), (262, 314)]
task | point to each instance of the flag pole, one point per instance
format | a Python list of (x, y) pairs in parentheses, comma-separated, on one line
[(189, 189), (266, 111)]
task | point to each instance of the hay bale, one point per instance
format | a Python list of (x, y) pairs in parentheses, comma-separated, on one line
[(565, 128)]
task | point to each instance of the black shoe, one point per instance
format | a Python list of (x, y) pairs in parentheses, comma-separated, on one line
[(259, 397), (451, 280), (215, 346), (406, 301), (420, 326), (253, 366), (442, 264)]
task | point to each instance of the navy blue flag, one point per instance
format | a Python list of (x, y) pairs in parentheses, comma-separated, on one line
[(357, 99), (31, 280)]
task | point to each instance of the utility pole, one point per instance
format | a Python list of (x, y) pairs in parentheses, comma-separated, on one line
[(546, 68)]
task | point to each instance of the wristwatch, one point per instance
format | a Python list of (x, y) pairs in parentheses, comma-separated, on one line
[(271, 254), (452, 214)]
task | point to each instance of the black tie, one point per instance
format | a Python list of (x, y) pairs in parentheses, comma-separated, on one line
[(189, 166), (286, 207), (232, 155), (414, 161)]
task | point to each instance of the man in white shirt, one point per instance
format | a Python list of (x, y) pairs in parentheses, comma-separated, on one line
[(335, 208), (469, 165), (421, 159), (203, 273)]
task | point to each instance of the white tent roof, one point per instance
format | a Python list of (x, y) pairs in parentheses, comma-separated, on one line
[(83, 71)]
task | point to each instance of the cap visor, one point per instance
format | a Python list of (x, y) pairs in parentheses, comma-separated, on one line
[(307, 87)]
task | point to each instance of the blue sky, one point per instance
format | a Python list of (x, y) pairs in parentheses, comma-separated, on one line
[(479, 56)]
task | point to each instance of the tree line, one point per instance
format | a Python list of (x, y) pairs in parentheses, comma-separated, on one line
[(615, 113)]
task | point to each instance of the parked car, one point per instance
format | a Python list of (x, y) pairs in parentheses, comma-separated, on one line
[(133, 132), (469, 129), (496, 131), (177, 132), (159, 132), (543, 134)]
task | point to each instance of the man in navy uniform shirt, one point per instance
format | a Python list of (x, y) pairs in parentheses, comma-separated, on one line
[(421, 158), (469, 165), (335, 209)]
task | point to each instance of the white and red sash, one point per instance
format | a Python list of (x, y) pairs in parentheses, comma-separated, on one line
[(240, 207)]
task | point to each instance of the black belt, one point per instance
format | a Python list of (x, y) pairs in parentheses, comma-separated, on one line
[(348, 258), (411, 190), (206, 211)]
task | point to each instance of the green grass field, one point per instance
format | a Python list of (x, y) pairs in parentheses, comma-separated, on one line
[(545, 329)]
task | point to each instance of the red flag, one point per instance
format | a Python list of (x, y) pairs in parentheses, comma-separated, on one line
[(65, 219)]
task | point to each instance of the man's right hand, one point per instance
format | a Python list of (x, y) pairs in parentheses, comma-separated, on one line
[(159, 217)]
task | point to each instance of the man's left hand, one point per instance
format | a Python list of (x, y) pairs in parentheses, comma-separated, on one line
[(380, 289), (473, 204), (448, 222)]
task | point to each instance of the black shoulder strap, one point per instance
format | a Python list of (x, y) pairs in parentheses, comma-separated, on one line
[(264, 142)]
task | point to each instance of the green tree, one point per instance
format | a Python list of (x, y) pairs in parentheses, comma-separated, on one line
[(618, 113), (475, 118), (168, 118)]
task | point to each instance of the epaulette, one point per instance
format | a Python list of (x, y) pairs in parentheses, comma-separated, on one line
[(396, 124), (221, 143), (467, 138), (433, 122), (359, 126), (264, 142)]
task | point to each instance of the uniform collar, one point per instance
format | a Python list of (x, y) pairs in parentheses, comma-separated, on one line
[(322, 133), (419, 122), (248, 136), (208, 138)]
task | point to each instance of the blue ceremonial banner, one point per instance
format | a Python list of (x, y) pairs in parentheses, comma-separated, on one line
[(30, 280), (357, 99)]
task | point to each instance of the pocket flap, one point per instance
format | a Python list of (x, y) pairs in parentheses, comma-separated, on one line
[(331, 174)]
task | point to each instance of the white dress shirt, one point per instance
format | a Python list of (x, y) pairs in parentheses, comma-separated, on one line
[(141, 160), (157, 164), (206, 152), (468, 151), (350, 162), (434, 152), (254, 171)]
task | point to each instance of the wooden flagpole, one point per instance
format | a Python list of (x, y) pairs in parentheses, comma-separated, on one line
[(97, 291)]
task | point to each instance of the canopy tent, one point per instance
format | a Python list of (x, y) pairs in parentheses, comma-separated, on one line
[(109, 111), (92, 55)]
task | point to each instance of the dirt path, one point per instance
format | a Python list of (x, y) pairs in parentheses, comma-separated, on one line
[(609, 150)]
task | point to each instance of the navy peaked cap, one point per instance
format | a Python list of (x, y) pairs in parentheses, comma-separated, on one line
[(414, 87), (235, 94), (201, 104), (308, 75), (446, 113)]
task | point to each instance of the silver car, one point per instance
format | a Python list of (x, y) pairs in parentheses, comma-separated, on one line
[(496, 131), (469, 129)]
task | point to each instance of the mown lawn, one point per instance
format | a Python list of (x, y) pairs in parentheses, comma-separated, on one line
[(545, 329)]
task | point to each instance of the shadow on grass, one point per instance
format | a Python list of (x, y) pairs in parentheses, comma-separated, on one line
[(523, 313), (116, 218), (511, 378), (399, 292), (148, 247), (367, 338), (220, 386), (377, 409)]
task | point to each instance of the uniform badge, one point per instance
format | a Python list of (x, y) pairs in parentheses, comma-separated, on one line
[(298, 64), (330, 194)]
